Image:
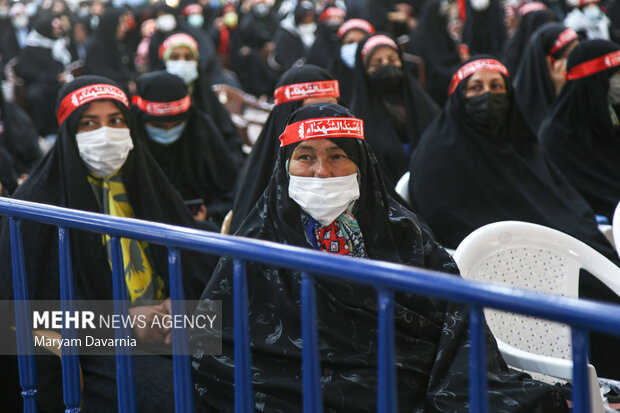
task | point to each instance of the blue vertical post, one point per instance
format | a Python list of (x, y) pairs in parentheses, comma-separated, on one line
[(581, 392), (125, 381), (387, 401), (183, 391), (311, 370), (244, 394), (23, 323), (478, 384), (70, 360)]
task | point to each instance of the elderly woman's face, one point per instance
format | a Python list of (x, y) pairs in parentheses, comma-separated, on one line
[(99, 114), (182, 53), (320, 158), (383, 56)]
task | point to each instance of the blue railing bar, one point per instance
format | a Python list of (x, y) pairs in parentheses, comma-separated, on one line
[(387, 400), (581, 393), (70, 359), (478, 400), (183, 389), (311, 368), (584, 313), (125, 382), (244, 394), (23, 324)]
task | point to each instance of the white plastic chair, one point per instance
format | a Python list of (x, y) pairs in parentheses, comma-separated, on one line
[(402, 187), (615, 222), (534, 257)]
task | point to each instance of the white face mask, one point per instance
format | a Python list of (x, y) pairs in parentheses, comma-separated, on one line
[(347, 54), (185, 69), (324, 198), (592, 12), (104, 150), (20, 21), (166, 23)]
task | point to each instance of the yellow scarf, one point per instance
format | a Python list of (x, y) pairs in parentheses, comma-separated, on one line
[(139, 275)]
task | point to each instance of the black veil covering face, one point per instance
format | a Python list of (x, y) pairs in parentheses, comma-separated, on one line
[(326, 47), (462, 180), (514, 48), (108, 56), (431, 336), (533, 85), (430, 40), (386, 137), (258, 167), (484, 30), (198, 164), (61, 179), (579, 135)]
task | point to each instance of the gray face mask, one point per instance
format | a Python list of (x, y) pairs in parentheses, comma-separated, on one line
[(613, 95)]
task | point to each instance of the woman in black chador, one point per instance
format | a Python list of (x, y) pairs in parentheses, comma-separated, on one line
[(392, 104), (327, 194), (533, 15), (479, 163), (97, 164), (541, 74), (581, 133), (185, 143), (297, 87)]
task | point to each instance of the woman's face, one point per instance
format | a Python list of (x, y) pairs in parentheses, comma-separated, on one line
[(99, 114), (383, 56), (353, 36), (483, 82), (182, 53), (320, 158)]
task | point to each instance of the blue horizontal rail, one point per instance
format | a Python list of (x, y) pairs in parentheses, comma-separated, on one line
[(582, 315)]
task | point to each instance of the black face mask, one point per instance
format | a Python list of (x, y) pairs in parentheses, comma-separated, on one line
[(387, 78), (488, 111)]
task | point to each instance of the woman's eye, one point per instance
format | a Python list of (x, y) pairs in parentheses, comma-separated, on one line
[(303, 157), (117, 121)]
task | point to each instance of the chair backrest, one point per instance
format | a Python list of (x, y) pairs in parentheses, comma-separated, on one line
[(402, 186), (534, 257), (616, 228)]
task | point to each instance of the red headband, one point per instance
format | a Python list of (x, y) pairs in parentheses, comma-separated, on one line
[(173, 108), (322, 128), (376, 41), (594, 66), (192, 9), (584, 2), (86, 95), (563, 39), (479, 65), (181, 39), (358, 24), (331, 12), (298, 91), (530, 7)]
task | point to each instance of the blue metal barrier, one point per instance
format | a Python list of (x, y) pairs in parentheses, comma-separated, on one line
[(582, 315)]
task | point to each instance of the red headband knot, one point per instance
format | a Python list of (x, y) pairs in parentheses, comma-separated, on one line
[(594, 66), (322, 128), (531, 7), (376, 41), (355, 24), (298, 91), (86, 95), (332, 12), (173, 108), (563, 39), (179, 39), (475, 66)]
